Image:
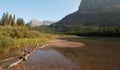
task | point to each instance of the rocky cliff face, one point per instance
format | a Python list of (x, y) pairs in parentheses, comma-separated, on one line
[(98, 4), (95, 12)]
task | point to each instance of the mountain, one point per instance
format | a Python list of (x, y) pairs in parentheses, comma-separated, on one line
[(35, 22), (0, 21), (98, 5), (46, 22), (94, 13)]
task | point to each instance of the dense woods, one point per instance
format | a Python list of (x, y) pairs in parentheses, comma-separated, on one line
[(10, 20), (108, 31)]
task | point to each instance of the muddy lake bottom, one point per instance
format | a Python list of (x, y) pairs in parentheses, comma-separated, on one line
[(98, 53), (95, 54)]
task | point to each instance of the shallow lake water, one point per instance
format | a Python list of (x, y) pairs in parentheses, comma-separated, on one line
[(51, 58), (45, 59), (74, 54)]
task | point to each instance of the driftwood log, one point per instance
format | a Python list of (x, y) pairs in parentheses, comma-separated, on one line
[(25, 57), (7, 59), (44, 46), (15, 63)]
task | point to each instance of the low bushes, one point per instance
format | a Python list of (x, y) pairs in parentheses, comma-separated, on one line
[(21, 36)]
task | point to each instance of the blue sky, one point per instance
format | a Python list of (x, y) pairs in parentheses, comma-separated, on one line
[(39, 9)]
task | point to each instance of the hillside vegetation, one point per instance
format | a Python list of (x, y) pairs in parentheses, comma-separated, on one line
[(113, 31), (20, 36), (93, 18)]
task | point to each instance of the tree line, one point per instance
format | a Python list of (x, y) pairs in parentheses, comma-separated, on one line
[(108, 31), (8, 19)]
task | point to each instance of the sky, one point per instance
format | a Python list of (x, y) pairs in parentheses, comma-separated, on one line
[(53, 10)]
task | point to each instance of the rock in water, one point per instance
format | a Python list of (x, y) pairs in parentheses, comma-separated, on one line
[(95, 13)]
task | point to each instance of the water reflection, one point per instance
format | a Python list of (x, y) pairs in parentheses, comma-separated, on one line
[(50, 57), (45, 59)]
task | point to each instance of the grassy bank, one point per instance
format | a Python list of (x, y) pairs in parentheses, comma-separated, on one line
[(12, 37)]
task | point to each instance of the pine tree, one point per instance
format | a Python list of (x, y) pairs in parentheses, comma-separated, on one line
[(20, 22), (6, 19), (0, 22), (3, 19), (13, 21), (10, 20)]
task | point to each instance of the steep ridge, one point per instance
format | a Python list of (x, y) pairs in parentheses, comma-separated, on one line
[(99, 4), (94, 13)]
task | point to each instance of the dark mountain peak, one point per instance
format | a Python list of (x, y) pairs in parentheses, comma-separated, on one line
[(91, 5), (95, 13)]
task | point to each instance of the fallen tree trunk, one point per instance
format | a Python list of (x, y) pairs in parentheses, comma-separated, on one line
[(25, 57), (43, 46), (15, 63), (7, 59)]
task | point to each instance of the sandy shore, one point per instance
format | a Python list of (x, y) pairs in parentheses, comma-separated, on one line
[(65, 44)]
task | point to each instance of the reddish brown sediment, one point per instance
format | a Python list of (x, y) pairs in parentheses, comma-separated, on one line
[(65, 43)]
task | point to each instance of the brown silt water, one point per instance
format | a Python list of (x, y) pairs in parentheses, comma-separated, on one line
[(50, 58), (45, 59)]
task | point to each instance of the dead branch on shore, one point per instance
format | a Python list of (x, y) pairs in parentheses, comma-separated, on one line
[(15, 63), (7, 59), (25, 56), (43, 46)]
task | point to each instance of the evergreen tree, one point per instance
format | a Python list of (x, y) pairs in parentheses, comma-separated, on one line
[(13, 21), (20, 22), (10, 19), (6, 19), (3, 19), (0, 22)]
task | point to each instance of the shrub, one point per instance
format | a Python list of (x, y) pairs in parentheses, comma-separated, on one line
[(6, 44), (20, 36)]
